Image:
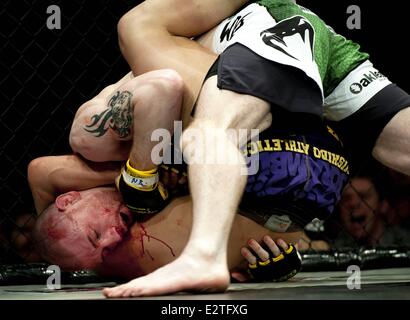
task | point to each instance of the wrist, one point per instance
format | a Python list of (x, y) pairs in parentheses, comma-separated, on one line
[(138, 179)]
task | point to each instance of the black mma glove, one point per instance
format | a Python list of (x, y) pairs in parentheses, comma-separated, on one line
[(142, 191), (276, 269)]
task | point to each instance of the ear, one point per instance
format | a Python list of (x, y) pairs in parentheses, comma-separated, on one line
[(63, 201)]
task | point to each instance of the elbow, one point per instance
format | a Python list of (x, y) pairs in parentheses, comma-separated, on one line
[(35, 170), (171, 82), (32, 168)]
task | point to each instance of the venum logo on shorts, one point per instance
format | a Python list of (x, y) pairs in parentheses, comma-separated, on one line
[(367, 79), (287, 28), (231, 27)]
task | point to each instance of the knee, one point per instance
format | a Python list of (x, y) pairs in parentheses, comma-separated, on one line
[(170, 82), (138, 23), (167, 85), (159, 97)]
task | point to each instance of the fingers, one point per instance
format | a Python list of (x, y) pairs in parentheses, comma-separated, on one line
[(258, 252), (248, 255), (257, 248), (174, 178), (271, 245), (165, 178), (303, 245), (282, 244), (183, 180), (117, 181)]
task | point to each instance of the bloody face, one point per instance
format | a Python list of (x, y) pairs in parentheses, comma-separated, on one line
[(86, 228)]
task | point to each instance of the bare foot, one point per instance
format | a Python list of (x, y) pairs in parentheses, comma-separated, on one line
[(183, 274)]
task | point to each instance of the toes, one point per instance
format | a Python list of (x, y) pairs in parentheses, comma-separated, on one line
[(113, 292)]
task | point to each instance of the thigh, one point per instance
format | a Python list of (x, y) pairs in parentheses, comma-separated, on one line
[(380, 126), (392, 147), (227, 109), (285, 87), (188, 18), (242, 88), (155, 35)]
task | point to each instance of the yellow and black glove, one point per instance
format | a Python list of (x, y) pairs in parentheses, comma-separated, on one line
[(142, 191), (276, 269)]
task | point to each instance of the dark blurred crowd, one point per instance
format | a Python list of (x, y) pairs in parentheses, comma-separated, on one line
[(374, 212)]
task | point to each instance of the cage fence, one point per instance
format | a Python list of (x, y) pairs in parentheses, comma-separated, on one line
[(46, 75)]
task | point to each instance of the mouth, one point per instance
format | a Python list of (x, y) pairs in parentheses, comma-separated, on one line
[(358, 219)]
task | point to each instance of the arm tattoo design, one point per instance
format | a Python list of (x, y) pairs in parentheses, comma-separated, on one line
[(118, 116)]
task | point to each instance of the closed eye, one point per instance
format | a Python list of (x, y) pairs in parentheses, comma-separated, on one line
[(97, 235), (93, 239), (126, 218), (93, 243)]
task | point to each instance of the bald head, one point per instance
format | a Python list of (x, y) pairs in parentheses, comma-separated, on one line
[(80, 228)]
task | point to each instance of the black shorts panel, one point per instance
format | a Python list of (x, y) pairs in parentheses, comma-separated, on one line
[(241, 70), (360, 131)]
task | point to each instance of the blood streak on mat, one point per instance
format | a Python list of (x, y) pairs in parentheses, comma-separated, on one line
[(143, 234)]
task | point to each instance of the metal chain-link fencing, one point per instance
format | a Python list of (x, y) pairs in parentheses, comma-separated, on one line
[(47, 74), (370, 227)]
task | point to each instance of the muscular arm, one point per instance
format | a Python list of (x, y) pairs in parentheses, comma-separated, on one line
[(105, 127), (91, 133), (53, 175), (155, 35)]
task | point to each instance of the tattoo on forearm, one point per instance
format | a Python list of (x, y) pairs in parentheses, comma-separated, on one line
[(118, 116)]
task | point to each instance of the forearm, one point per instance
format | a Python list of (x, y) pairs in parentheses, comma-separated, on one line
[(53, 175), (74, 173)]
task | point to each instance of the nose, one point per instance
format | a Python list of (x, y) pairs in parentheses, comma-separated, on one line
[(354, 203), (110, 238)]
